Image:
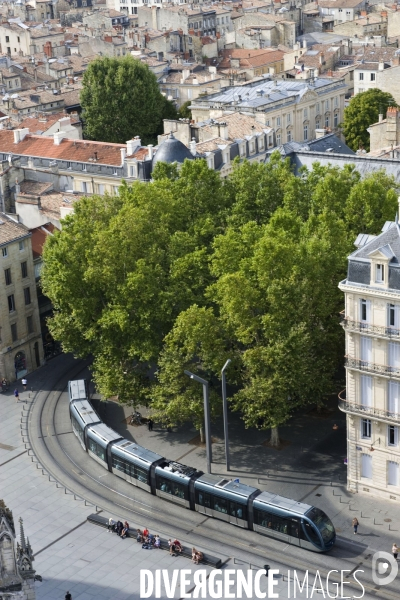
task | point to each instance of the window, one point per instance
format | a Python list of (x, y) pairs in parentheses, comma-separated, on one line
[(278, 139), (393, 398), (22, 245), (380, 273), (360, 90), (278, 121), (393, 473), (393, 435), (366, 391), (327, 121), (289, 136), (289, 118), (116, 190), (394, 316), (335, 120), (317, 109), (7, 276), (27, 295), (305, 132), (14, 335), (97, 449), (270, 140), (170, 487), (336, 101), (366, 428), (189, 94), (84, 187), (306, 113), (366, 466), (11, 303), (7, 38), (326, 104), (5, 252), (365, 310), (29, 324), (24, 269), (317, 124), (129, 469), (361, 76), (372, 76), (101, 188)]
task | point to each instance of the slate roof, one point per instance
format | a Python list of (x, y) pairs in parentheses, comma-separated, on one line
[(388, 242), (10, 230), (172, 150)]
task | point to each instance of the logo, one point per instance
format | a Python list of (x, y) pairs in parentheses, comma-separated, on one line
[(384, 568)]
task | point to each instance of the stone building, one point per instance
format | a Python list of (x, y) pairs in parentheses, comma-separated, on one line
[(17, 576), (21, 350), (293, 108), (371, 321), (385, 135)]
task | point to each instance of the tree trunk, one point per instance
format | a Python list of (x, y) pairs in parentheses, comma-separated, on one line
[(202, 439), (274, 440)]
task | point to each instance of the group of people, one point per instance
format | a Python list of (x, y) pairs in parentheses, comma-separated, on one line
[(121, 529), (147, 539), (175, 547)]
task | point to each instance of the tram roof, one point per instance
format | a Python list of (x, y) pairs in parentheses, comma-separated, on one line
[(77, 389), (229, 485), (283, 503), (129, 448)]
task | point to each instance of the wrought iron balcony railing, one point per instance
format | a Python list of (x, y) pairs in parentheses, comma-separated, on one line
[(364, 365), (366, 411), (364, 327)]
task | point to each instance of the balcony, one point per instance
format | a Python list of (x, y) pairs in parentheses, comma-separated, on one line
[(364, 365), (366, 411), (365, 328)]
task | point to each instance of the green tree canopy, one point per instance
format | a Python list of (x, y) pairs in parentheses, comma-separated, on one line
[(363, 111), (189, 270), (120, 99), (184, 111)]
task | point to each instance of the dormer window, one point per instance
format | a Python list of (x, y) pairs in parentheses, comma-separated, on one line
[(380, 273)]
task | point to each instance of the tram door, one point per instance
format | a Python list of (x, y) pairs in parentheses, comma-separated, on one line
[(233, 513), (294, 532), (207, 505)]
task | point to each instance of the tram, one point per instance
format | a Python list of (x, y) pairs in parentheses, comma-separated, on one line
[(228, 500)]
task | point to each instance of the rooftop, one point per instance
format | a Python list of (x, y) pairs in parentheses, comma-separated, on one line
[(11, 230)]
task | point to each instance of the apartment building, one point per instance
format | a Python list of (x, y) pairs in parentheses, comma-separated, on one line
[(293, 108), (21, 350), (371, 321)]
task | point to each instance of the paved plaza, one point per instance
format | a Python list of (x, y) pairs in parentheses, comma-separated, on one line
[(71, 554)]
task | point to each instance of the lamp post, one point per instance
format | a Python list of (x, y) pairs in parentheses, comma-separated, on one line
[(225, 409), (204, 383)]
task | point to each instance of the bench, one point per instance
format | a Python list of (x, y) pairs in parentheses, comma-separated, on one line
[(208, 559)]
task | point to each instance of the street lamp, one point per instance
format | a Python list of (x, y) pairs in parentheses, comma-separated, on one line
[(206, 416), (225, 408)]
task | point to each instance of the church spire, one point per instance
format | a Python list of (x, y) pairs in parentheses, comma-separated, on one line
[(22, 534)]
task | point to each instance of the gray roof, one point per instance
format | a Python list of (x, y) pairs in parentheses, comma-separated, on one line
[(388, 242), (329, 143), (266, 92), (172, 150)]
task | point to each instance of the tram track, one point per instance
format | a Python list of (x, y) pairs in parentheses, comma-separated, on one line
[(55, 458)]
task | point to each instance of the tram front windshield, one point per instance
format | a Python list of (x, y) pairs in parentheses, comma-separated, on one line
[(323, 523)]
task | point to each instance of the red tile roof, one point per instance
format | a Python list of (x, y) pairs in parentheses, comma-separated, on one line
[(71, 150)]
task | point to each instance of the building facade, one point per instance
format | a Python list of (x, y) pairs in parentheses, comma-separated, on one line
[(21, 350), (371, 321)]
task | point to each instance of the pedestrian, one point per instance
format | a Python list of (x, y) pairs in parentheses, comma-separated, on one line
[(395, 551), (355, 525), (68, 596), (16, 394), (24, 383), (150, 424)]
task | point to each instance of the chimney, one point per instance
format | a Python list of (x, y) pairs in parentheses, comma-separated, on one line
[(64, 122), (150, 149), (58, 137), (19, 134), (319, 133), (132, 145), (223, 131), (321, 58), (193, 147), (380, 118), (304, 43), (123, 154), (381, 66)]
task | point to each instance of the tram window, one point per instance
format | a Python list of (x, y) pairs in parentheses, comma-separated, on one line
[(272, 522), (220, 505), (120, 464), (97, 449), (77, 428), (171, 487), (323, 523), (294, 528), (140, 474), (237, 510), (207, 500)]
